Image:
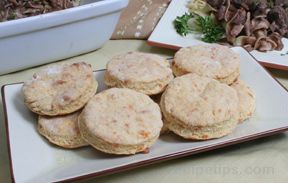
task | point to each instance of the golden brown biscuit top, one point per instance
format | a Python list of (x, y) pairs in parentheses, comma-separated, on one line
[(200, 101), (57, 86), (139, 67), (122, 116), (213, 61)]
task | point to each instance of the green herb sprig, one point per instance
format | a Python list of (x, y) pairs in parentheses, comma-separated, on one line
[(212, 32), (181, 24)]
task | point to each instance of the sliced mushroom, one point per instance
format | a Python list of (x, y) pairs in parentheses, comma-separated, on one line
[(260, 33), (239, 17), (244, 40), (273, 27), (276, 37), (247, 25), (236, 29), (235, 25), (215, 3), (220, 15), (259, 23), (261, 8), (265, 44), (279, 16), (228, 14), (248, 47)]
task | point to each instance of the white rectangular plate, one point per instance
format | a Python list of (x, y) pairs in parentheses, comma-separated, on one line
[(33, 159), (164, 35)]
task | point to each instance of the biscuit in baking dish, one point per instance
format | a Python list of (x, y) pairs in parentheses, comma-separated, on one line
[(121, 121)]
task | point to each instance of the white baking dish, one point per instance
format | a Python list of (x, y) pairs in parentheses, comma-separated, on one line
[(53, 36)]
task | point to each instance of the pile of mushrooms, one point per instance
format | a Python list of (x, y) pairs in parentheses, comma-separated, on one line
[(253, 24)]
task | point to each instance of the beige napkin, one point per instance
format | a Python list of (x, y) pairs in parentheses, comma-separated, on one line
[(139, 19)]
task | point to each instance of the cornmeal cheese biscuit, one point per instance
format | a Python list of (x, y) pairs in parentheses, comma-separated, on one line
[(247, 100), (59, 90), (62, 130), (121, 121), (143, 72), (213, 61), (199, 108)]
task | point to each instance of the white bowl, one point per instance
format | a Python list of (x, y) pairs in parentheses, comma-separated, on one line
[(53, 36)]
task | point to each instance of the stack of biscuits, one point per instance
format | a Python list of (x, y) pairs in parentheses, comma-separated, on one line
[(206, 100), (57, 94)]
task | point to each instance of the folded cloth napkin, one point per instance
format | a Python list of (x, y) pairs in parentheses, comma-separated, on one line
[(139, 19)]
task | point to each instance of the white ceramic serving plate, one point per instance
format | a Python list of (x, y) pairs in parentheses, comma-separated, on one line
[(53, 36), (164, 35), (33, 159)]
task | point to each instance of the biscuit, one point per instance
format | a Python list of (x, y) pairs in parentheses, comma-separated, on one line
[(213, 61), (247, 100), (199, 108), (62, 130), (121, 121), (144, 72), (157, 99), (59, 90)]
